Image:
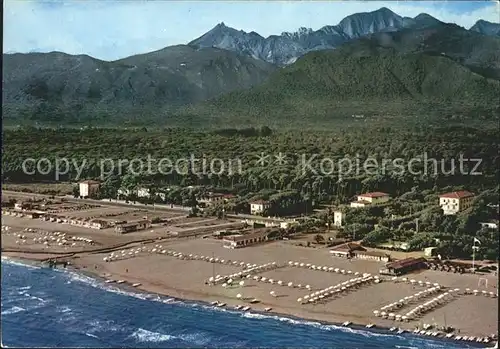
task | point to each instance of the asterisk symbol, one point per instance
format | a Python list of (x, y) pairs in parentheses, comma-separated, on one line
[(280, 158), (262, 159)]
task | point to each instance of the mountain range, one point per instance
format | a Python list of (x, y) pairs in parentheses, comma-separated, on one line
[(286, 48), (245, 72)]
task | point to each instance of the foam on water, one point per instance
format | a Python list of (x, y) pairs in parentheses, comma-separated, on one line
[(11, 261), (143, 335), (13, 310)]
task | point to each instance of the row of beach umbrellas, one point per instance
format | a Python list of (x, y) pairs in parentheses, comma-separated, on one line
[(417, 296), (331, 291), (482, 292), (415, 282), (247, 273), (433, 303), (321, 268), (124, 254)]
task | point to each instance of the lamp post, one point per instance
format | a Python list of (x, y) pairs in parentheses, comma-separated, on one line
[(474, 249)]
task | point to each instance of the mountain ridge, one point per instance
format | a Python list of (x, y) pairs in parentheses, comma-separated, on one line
[(65, 84), (284, 49)]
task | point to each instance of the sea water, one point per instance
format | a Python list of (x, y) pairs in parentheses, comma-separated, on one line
[(50, 308)]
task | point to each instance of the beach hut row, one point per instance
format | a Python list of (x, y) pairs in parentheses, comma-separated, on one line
[(413, 298), (247, 273), (482, 293), (321, 268), (325, 294)]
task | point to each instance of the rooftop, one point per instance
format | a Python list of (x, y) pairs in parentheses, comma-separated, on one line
[(457, 195), (259, 202), (240, 237), (372, 253), (405, 262), (348, 247)]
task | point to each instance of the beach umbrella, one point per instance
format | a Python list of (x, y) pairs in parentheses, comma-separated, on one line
[(299, 300), (290, 263), (242, 283), (301, 264), (376, 312), (299, 286), (280, 282), (224, 285), (336, 270), (230, 281), (296, 264), (290, 284), (306, 296), (238, 296), (330, 269), (342, 271), (272, 293), (325, 268), (308, 287)]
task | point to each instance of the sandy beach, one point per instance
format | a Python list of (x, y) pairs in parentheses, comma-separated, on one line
[(143, 258)]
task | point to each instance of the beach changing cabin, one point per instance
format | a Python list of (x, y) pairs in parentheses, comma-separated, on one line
[(132, 226), (243, 240), (404, 266), (346, 250), (372, 256)]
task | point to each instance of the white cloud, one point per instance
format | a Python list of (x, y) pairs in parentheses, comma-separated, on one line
[(115, 29)]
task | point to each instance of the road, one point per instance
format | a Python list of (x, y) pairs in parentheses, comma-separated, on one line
[(116, 203)]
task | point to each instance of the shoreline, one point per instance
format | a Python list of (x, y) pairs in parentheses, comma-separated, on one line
[(205, 300)]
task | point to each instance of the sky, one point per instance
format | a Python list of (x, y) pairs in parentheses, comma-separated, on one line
[(109, 29)]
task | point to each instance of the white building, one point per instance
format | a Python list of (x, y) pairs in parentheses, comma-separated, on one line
[(367, 199), (88, 188), (338, 218), (374, 198), (259, 206), (489, 225), (288, 224), (452, 203), (211, 198), (143, 193)]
